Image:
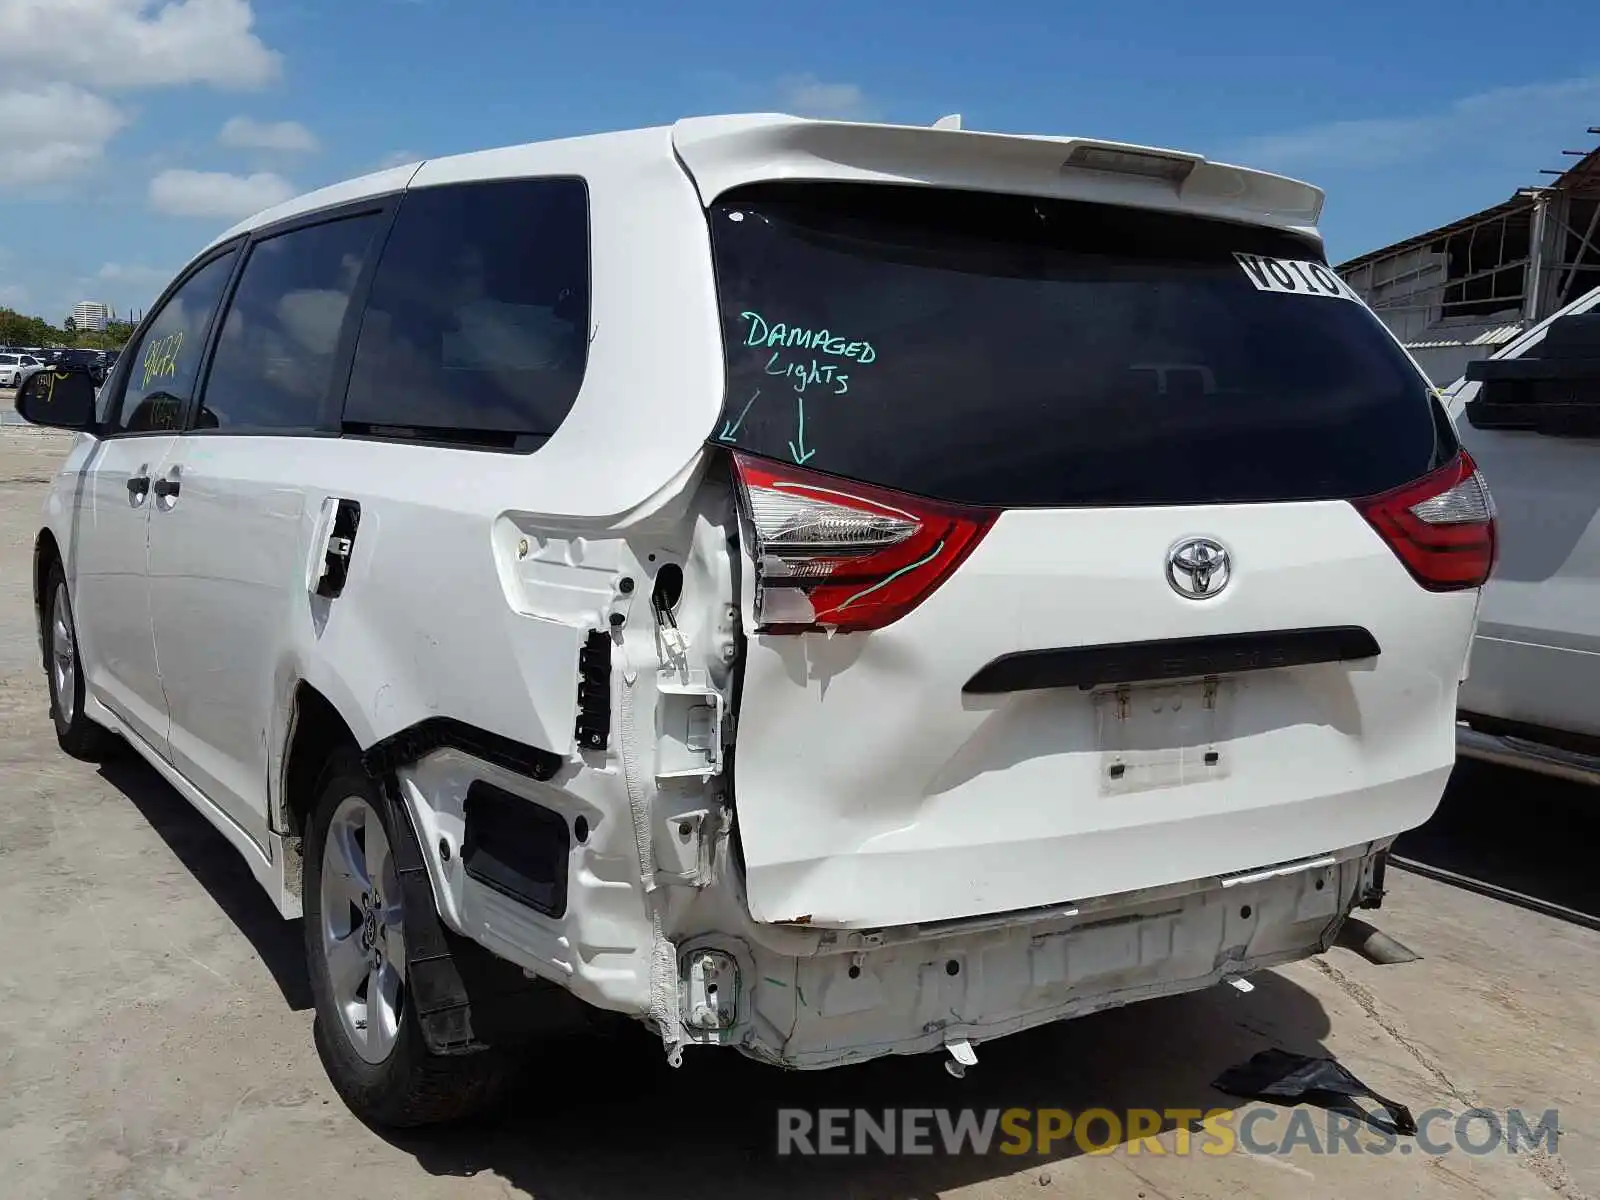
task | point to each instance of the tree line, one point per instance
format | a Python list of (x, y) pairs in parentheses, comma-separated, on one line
[(17, 329)]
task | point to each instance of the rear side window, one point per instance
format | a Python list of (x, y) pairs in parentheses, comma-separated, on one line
[(166, 358), (274, 362), (1017, 352), (476, 329)]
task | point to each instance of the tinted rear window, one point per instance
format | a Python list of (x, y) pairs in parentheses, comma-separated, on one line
[(1018, 352)]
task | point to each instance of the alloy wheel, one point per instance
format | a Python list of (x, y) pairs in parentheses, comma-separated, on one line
[(363, 930), (63, 656)]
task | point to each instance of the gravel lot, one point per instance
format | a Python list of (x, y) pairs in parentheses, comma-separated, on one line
[(155, 1027)]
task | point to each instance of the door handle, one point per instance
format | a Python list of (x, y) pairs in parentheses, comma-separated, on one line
[(167, 488), (138, 486)]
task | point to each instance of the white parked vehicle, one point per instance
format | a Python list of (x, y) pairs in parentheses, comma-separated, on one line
[(14, 366), (824, 589), (1531, 416)]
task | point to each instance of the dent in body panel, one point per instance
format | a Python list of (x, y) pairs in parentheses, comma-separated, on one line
[(422, 629), (930, 804), (466, 609)]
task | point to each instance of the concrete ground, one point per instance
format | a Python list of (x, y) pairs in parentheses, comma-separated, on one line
[(155, 1031)]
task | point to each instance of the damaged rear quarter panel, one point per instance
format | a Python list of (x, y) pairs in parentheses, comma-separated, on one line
[(429, 622)]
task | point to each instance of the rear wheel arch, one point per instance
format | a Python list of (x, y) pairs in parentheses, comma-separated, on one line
[(46, 555), (469, 1019), (317, 731), (406, 1082)]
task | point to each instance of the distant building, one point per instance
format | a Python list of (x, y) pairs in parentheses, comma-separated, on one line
[(90, 315), (1460, 292)]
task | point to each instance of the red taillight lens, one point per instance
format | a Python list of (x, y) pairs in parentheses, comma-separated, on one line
[(1441, 526), (834, 554)]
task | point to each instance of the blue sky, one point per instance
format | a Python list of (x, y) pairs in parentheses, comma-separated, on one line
[(132, 131)]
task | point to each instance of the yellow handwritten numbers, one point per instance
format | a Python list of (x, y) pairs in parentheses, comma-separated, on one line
[(161, 359)]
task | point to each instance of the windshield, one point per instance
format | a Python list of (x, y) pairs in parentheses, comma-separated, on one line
[(1018, 352)]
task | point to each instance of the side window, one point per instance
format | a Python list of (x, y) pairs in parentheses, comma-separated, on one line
[(274, 361), (164, 361), (476, 328)]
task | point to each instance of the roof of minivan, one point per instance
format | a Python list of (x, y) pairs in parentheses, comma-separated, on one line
[(724, 151)]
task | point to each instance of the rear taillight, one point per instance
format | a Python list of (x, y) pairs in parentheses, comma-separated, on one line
[(835, 554), (1441, 526)]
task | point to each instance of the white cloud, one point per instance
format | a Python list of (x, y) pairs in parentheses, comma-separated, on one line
[(808, 96), (399, 158), (291, 137), (124, 286), (1507, 119), (53, 132), (132, 275), (216, 193), (110, 44), (57, 57)]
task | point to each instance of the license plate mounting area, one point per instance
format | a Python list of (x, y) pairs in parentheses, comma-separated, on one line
[(1162, 735)]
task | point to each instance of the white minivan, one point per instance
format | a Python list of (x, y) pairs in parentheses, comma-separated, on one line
[(823, 589)]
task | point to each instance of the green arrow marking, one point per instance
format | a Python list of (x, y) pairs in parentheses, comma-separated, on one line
[(797, 448), (730, 429)]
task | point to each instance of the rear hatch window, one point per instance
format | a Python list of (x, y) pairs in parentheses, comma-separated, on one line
[(1017, 352)]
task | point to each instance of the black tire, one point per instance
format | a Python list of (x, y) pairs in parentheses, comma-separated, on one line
[(77, 734), (411, 1086)]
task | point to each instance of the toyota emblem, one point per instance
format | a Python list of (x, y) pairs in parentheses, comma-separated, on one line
[(1198, 568)]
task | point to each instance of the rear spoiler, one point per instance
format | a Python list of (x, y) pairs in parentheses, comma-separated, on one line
[(721, 153), (1553, 389)]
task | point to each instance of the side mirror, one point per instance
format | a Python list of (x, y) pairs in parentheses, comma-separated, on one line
[(61, 400), (1553, 389), (1569, 354)]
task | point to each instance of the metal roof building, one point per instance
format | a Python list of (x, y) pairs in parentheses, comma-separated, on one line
[(1462, 291)]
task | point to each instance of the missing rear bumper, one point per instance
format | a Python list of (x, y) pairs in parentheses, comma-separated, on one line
[(806, 996), (869, 994)]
